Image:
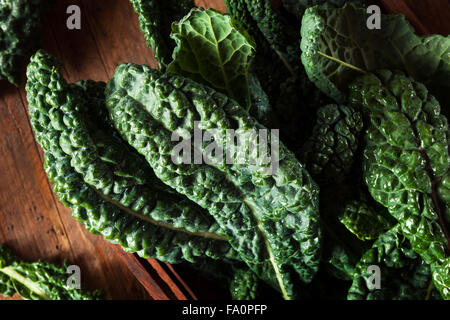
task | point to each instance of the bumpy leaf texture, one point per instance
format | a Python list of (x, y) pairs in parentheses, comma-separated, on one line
[(37, 280), (270, 64), (277, 31), (155, 20), (244, 285), (212, 50), (260, 109), (365, 219), (330, 151), (20, 26), (269, 216), (108, 186), (277, 65), (403, 274), (327, 31), (406, 161)]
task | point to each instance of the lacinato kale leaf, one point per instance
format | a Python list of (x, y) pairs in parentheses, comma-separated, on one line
[(260, 109), (212, 50), (366, 219), (406, 162), (270, 63), (403, 274), (337, 45), (278, 32), (330, 151), (244, 285), (20, 25), (155, 20), (109, 187), (39, 280), (269, 217)]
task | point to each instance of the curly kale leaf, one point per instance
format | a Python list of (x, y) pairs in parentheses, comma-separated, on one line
[(110, 188), (403, 274), (155, 20), (38, 280), (20, 26), (333, 52), (330, 151), (269, 216), (212, 50), (406, 160)]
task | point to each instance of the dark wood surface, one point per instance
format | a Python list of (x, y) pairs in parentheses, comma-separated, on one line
[(32, 221)]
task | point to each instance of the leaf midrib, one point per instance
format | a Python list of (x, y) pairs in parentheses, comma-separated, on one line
[(33, 286), (162, 224)]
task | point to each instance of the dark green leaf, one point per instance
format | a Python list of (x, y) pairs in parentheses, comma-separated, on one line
[(342, 34), (38, 280), (406, 160), (109, 187), (20, 26), (155, 20), (403, 274), (270, 217), (212, 50)]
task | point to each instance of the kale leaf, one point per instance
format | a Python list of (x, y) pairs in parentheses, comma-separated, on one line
[(155, 20), (212, 50), (333, 53), (270, 64), (270, 217), (20, 25), (406, 162), (365, 219), (244, 285), (330, 151), (403, 274), (110, 188), (39, 280)]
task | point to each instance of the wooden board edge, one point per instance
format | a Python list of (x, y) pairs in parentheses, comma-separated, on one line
[(158, 279)]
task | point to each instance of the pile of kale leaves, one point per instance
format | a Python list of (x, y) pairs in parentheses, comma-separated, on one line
[(359, 206)]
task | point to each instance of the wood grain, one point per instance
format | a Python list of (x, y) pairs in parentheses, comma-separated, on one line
[(32, 221)]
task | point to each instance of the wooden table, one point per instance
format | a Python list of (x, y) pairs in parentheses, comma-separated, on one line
[(32, 221)]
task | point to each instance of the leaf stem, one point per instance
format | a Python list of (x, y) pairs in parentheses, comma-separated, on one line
[(162, 224), (345, 64), (33, 286)]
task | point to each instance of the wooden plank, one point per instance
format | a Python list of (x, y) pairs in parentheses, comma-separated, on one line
[(32, 221), (28, 215)]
